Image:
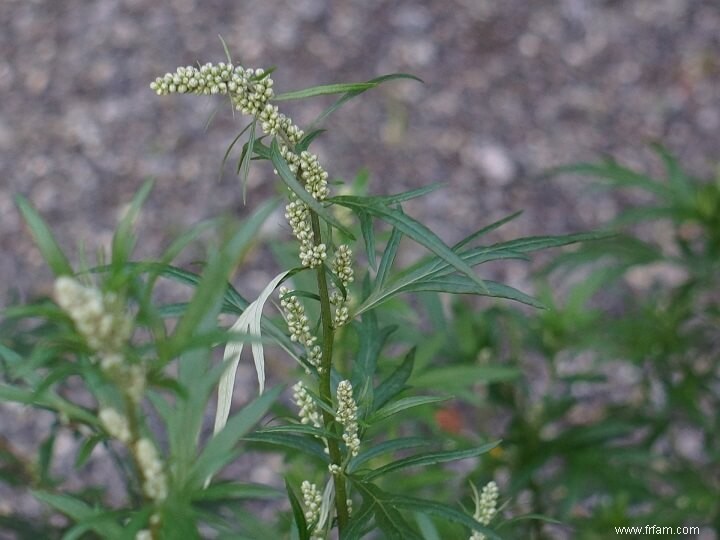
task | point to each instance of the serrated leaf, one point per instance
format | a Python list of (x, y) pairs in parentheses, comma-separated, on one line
[(44, 238), (430, 458), (289, 179)]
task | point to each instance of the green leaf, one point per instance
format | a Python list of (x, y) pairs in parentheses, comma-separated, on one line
[(489, 228), (350, 95), (617, 175), (427, 528), (676, 176), (226, 491), (390, 200), (366, 227), (446, 377), (395, 383), (49, 401), (431, 458), (324, 90), (44, 239), (245, 160), (79, 511), (411, 228), (298, 513), (219, 450), (443, 511), (388, 257), (289, 179), (372, 340), (225, 48), (123, 241), (230, 147), (404, 443), (205, 304), (387, 518), (306, 445), (402, 405), (307, 139), (455, 284), (86, 449)]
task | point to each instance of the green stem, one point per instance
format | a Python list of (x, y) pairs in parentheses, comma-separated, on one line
[(343, 516)]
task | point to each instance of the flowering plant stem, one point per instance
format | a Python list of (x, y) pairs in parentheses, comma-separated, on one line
[(343, 515)]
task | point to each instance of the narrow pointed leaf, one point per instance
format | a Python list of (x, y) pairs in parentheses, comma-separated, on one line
[(44, 239), (403, 443), (402, 405), (413, 229), (350, 95), (289, 179), (431, 458), (218, 451), (324, 90), (298, 513)]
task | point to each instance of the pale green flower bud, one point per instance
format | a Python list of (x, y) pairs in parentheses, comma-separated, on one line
[(347, 416)]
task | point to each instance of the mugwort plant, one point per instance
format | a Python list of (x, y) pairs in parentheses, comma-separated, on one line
[(133, 377)]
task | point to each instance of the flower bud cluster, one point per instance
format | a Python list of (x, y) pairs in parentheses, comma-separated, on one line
[(297, 214), (273, 122), (312, 499), (250, 90), (99, 318), (309, 413), (342, 314), (105, 325), (115, 424), (485, 507), (154, 480), (347, 416), (297, 321), (342, 264), (307, 167)]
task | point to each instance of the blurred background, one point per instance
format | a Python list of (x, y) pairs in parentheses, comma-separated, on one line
[(610, 416), (511, 88)]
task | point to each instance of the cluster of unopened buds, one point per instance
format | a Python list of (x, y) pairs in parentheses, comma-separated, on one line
[(485, 507), (347, 416), (105, 325)]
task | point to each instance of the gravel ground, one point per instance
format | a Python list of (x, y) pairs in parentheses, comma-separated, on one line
[(511, 88)]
